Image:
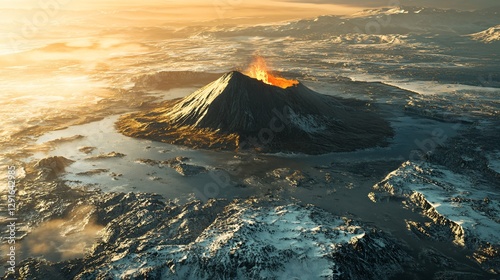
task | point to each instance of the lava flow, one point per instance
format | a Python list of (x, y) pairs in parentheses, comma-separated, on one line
[(259, 70)]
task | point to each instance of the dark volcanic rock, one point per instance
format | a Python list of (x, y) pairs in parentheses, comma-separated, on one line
[(50, 167), (239, 112), (86, 149), (105, 156), (188, 169), (294, 178), (178, 164), (93, 172)]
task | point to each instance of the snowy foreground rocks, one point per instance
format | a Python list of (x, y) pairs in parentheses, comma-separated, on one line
[(462, 209), (221, 239), (252, 240)]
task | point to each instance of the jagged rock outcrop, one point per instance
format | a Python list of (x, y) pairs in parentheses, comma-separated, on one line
[(50, 167), (178, 164), (461, 209)]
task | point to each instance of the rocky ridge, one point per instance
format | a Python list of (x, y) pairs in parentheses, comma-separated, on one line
[(460, 209)]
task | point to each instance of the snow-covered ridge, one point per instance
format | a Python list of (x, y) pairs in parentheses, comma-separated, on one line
[(248, 239), (267, 235), (391, 21), (487, 36), (390, 11), (459, 205), (372, 39)]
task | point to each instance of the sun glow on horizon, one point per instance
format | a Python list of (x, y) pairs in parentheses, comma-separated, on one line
[(201, 10)]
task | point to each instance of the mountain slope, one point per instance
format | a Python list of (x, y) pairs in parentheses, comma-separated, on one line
[(238, 103), (395, 20), (487, 36), (239, 112)]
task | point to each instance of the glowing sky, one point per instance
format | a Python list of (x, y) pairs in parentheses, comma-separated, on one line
[(227, 11), (208, 7), (97, 4), (159, 12), (170, 12), (337, 6)]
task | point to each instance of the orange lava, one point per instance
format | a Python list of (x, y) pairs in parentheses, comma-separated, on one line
[(259, 70)]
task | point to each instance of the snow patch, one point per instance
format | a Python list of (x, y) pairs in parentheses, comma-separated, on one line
[(487, 36), (307, 123), (494, 161), (266, 242), (458, 198)]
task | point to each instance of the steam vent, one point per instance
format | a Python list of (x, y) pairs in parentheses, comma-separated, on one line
[(262, 112)]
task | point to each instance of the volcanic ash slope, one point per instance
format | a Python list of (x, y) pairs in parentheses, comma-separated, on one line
[(239, 112)]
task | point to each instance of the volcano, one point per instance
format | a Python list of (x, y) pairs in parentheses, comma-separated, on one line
[(238, 112)]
